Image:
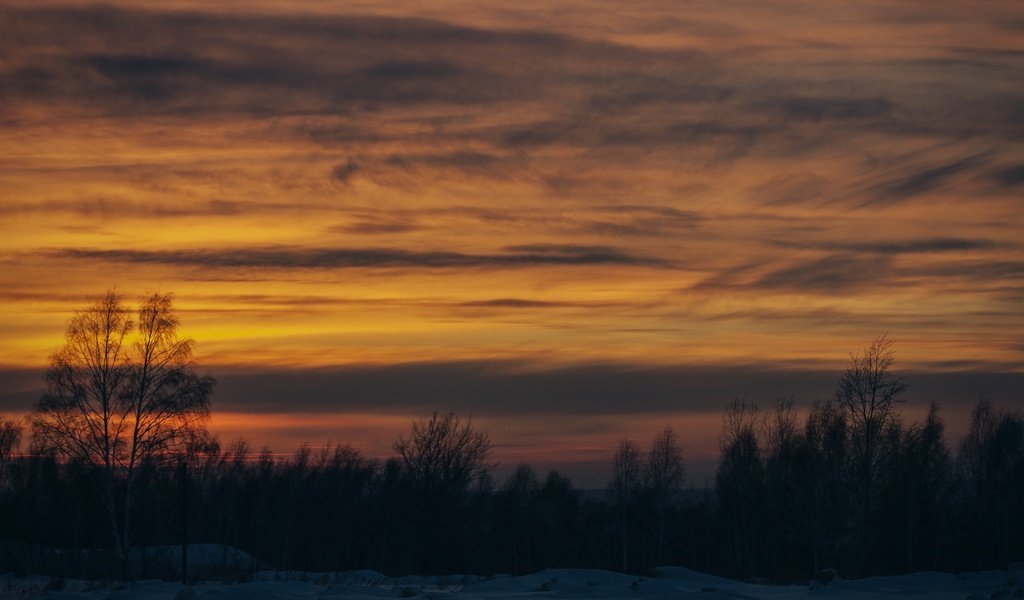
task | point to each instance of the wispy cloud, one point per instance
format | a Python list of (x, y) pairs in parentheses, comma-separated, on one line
[(343, 258), (910, 246)]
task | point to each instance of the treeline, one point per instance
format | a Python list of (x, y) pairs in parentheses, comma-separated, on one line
[(786, 503), (120, 460)]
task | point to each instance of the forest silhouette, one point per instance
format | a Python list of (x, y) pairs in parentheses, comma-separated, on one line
[(120, 461)]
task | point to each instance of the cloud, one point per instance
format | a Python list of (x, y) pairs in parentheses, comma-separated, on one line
[(834, 274), (915, 181), (119, 61), (345, 172), (1009, 176), (837, 108), (462, 160), (486, 388), (103, 207), (412, 69), (980, 271), (495, 388), (515, 303), (377, 225), (910, 246), (341, 258), (505, 388)]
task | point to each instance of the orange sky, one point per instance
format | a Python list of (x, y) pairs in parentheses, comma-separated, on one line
[(608, 206)]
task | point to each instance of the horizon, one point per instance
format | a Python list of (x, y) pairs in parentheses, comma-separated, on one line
[(573, 221)]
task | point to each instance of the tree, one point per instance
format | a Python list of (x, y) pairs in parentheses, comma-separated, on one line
[(121, 394), (925, 474), (867, 393), (825, 456), (663, 479), (785, 476), (10, 438), (624, 490), (990, 465), (739, 484), (444, 453), (441, 457)]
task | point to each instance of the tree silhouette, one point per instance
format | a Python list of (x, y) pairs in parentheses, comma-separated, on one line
[(825, 458), (444, 453), (991, 467), (442, 456), (119, 395), (663, 480), (867, 393), (10, 437), (739, 484), (624, 491)]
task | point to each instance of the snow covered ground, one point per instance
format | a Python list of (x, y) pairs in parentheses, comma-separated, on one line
[(672, 582)]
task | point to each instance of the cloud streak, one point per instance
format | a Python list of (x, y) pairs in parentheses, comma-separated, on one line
[(535, 255)]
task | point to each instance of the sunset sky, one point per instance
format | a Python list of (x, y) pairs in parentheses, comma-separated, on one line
[(573, 220)]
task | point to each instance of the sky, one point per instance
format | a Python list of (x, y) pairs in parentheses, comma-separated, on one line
[(573, 220)]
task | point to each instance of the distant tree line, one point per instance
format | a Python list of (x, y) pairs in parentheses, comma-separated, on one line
[(848, 486), (785, 503)]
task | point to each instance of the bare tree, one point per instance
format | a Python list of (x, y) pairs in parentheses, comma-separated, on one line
[(444, 453), (663, 481), (624, 490), (867, 393), (119, 395), (739, 482), (990, 463)]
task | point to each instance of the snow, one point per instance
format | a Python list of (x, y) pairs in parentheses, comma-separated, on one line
[(570, 584)]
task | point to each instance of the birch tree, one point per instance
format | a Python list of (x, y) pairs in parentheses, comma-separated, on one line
[(867, 394), (120, 394)]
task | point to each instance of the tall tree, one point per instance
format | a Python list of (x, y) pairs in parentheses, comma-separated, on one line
[(825, 456), (739, 485), (867, 393), (10, 437), (663, 480), (990, 465), (624, 491), (441, 458), (119, 395), (926, 474), (444, 453)]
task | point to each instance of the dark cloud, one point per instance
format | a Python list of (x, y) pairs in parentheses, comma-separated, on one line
[(980, 271), (411, 69), (341, 258), (503, 388), (122, 62), (19, 390), (462, 160), (486, 388), (594, 96), (573, 254), (111, 207), (834, 274), (642, 221), (912, 246), (830, 108), (1009, 176), (515, 303), (914, 181), (536, 135), (377, 226), (345, 172)]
